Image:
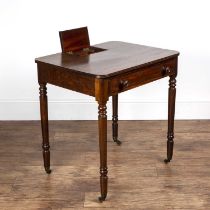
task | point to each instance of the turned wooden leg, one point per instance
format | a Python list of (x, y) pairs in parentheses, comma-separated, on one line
[(171, 112), (115, 119), (102, 124), (44, 123)]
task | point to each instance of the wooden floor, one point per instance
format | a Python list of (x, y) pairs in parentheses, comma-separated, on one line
[(138, 178)]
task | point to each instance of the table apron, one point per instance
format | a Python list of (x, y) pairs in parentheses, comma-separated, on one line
[(69, 80)]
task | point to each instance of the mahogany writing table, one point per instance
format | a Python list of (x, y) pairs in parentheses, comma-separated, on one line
[(107, 70)]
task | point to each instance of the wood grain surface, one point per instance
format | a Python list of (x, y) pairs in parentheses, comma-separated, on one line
[(138, 177), (116, 57)]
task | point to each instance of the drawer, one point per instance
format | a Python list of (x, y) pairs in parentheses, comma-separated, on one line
[(142, 76)]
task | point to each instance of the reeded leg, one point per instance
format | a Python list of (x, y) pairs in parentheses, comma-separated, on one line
[(44, 123), (115, 119), (171, 112), (102, 124)]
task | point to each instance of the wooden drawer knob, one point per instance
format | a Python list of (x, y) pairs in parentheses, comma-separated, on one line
[(123, 84), (166, 70)]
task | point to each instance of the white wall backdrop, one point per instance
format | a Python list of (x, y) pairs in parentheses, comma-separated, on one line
[(29, 29)]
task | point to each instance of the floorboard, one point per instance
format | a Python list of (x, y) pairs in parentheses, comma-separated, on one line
[(138, 178)]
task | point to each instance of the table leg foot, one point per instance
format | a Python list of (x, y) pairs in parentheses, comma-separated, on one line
[(117, 141), (48, 170), (170, 145), (167, 161), (102, 198)]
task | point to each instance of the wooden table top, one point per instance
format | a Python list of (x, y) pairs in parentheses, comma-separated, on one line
[(117, 57)]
